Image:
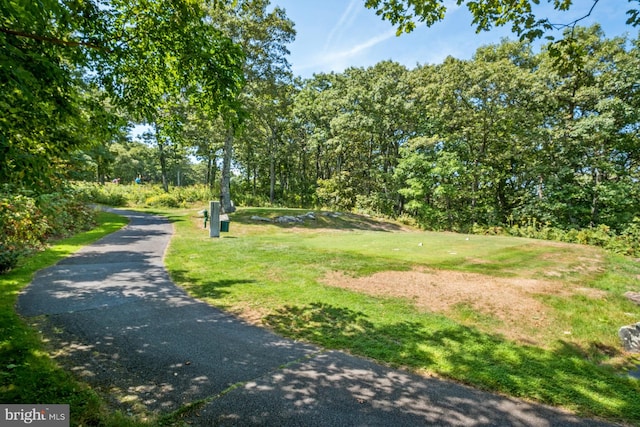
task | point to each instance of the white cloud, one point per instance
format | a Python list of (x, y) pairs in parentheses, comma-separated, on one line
[(341, 59), (346, 20)]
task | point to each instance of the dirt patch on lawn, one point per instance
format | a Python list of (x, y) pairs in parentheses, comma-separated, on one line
[(512, 301)]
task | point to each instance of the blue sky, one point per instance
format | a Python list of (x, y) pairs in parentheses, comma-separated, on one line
[(333, 35)]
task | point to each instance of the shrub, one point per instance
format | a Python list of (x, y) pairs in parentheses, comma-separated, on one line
[(626, 243), (375, 204), (21, 228), (109, 195), (167, 200), (27, 222), (194, 193)]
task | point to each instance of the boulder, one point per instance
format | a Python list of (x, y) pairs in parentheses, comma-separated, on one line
[(287, 219), (630, 336), (260, 218), (332, 214)]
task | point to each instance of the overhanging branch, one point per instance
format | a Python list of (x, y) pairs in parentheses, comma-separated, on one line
[(69, 43), (573, 24)]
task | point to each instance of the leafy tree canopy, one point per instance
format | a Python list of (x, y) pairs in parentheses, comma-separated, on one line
[(521, 14), (144, 54)]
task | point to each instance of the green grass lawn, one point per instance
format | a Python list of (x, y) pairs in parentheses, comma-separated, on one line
[(275, 275)]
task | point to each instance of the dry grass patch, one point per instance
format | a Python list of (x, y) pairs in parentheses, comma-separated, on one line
[(511, 305)]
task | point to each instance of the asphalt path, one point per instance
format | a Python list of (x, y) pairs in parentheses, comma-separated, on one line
[(117, 321)]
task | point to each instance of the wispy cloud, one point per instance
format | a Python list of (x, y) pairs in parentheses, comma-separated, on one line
[(340, 59), (368, 44), (346, 20)]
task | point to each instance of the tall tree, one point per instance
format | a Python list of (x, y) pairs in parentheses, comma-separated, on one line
[(474, 144), (592, 153), (263, 35)]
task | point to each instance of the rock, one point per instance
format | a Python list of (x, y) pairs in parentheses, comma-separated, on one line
[(308, 215), (633, 296), (260, 218), (630, 336), (332, 214), (287, 219)]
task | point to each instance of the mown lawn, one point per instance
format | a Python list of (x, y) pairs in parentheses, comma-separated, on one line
[(280, 276), (276, 275)]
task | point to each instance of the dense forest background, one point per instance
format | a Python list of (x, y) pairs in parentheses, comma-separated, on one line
[(512, 137)]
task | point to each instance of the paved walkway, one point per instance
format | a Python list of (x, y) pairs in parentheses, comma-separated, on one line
[(122, 326)]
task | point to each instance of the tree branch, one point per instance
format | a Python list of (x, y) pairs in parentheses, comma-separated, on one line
[(69, 43), (573, 24)]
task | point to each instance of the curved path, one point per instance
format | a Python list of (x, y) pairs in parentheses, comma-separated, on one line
[(120, 324)]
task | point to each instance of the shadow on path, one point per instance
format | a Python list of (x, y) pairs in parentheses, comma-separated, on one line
[(115, 319)]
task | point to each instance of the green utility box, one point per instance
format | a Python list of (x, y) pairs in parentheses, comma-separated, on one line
[(224, 226)]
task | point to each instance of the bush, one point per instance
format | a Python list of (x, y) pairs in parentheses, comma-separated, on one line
[(21, 228), (166, 200), (27, 222), (109, 195), (143, 195), (625, 243), (375, 204), (628, 241)]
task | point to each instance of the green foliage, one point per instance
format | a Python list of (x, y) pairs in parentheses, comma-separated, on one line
[(143, 195), (39, 115), (626, 242), (377, 204), (28, 222), (21, 229), (165, 200), (491, 153), (109, 195), (147, 56), (336, 192), (486, 14)]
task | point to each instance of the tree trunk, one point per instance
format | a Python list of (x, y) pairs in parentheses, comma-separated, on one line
[(225, 184), (272, 171), (163, 160), (595, 211), (209, 178)]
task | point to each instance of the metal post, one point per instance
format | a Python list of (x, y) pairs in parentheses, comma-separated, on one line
[(214, 219)]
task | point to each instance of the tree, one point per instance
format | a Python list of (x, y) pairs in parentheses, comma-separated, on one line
[(263, 36), (171, 56), (352, 125), (134, 159), (509, 137), (471, 159), (486, 14), (205, 136), (40, 119), (591, 157), (145, 54)]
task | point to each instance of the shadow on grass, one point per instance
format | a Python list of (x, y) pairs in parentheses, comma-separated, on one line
[(328, 220), (205, 288), (559, 377)]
